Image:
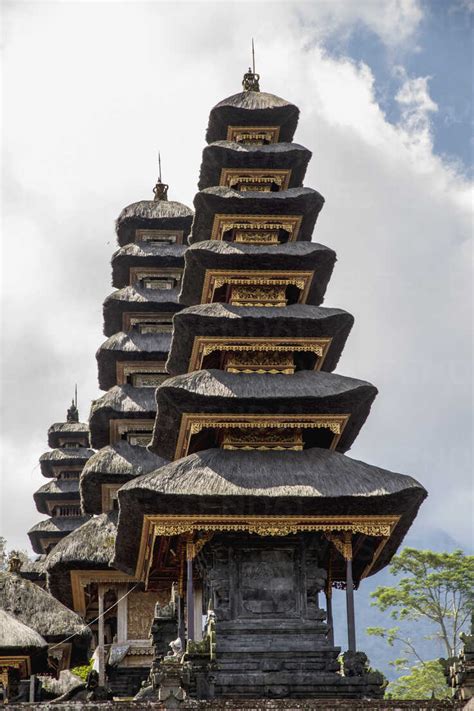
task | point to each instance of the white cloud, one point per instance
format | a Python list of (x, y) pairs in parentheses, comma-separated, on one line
[(93, 89)]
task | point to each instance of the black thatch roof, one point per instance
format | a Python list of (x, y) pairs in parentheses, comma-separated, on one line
[(120, 402), (74, 431), (220, 200), (56, 490), (114, 464), (137, 300), (220, 320), (16, 638), (278, 156), (216, 391), (89, 547), (38, 609), (63, 458), (53, 529), (313, 482), (152, 214), (143, 254), (131, 346), (230, 256), (252, 108)]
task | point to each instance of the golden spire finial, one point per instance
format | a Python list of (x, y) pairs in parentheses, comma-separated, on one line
[(251, 80), (160, 189)]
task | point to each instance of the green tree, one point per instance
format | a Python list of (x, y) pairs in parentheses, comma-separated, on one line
[(433, 587), (425, 681)]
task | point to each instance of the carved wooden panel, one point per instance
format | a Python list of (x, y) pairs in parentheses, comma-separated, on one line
[(140, 613)]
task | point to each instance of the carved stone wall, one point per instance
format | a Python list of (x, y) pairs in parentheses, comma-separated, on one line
[(140, 613)]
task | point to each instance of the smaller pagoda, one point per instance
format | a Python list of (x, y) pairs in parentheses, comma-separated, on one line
[(59, 498)]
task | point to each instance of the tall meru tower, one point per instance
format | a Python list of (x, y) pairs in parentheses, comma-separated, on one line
[(221, 507)]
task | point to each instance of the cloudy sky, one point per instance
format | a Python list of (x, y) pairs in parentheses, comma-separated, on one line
[(92, 90)]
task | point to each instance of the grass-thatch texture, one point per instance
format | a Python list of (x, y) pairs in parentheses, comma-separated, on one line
[(131, 346), (137, 299), (293, 256), (216, 391), (252, 108), (63, 458), (220, 320), (278, 156), (312, 482), (295, 201), (152, 214), (143, 254), (114, 464), (120, 402), (73, 430), (17, 638), (53, 529), (56, 491)]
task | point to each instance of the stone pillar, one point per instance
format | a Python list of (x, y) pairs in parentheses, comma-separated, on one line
[(329, 618), (351, 635), (101, 659), (197, 614)]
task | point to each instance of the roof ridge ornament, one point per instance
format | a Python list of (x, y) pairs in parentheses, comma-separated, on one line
[(251, 79), (73, 412), (161, 189)]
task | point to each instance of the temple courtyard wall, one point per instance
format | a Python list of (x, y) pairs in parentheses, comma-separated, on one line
[(257, 705)]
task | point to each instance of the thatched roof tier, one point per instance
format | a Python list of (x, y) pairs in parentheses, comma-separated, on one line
[(252, 108), (114, 464), (33, 569), (276, 156), (303, 202), (56, 491), (136, 299), (17, 639), (38, 609), (224, 320), (72, 431), (294, 257), (152, 215), (45, 532), (218, 392), (313, 482), (63, 458), (89, 547), (120, 402), (143, 254), (128, 347)]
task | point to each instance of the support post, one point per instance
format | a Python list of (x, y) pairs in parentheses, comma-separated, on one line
[(180, 614), (329, 618), (32, 688), (351, 635), (190, 589), (122, 612), (101, 636)]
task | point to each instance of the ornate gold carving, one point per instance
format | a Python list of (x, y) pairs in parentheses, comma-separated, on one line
[(255, 179), (258, 135), (80, 579), (263, 439), (259, 362), (194, 423), (252, 286), (254, 224), (159, 236), (256, 237), (342, 542)]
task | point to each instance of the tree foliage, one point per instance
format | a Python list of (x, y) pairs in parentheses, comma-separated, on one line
[(435, 587), (425, 681)]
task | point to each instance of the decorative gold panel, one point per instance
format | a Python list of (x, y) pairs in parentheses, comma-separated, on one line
[(262, 439), (159, 236), (256, 229), (272, 362), (255, 135), (193, 424), (257, 288), (255, 179)]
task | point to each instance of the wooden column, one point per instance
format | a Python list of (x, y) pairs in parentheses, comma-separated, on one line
[(351, 634), (101, 636), (329, 619), (190, 589), (197, 614), (122, 631), (180, 614)]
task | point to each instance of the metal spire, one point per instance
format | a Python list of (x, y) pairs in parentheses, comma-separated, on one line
[(160, 189), (251, 79), (253, 57), (73, 412)]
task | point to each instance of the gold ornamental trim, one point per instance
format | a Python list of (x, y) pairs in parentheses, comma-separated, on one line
[(224, 222), (217, 278), (155, 526), (14, 661), (254, 178), (194, 423), (80, 579), (257, 135), (205, 345)]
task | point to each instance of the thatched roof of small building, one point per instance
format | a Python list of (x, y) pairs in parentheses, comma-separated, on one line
[(16, 637), (38, 609), (63, 458), (152, 214), (312, 482), (221, 200), (144, 254), (252, 108), (53, 529), (89, 547), (227, 154), (221, 320), (114, 464), (219, 392), (56, 490), (231, 256), (137, 299), (120, 402), (33, 569), (130, 346), (74, 431)]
